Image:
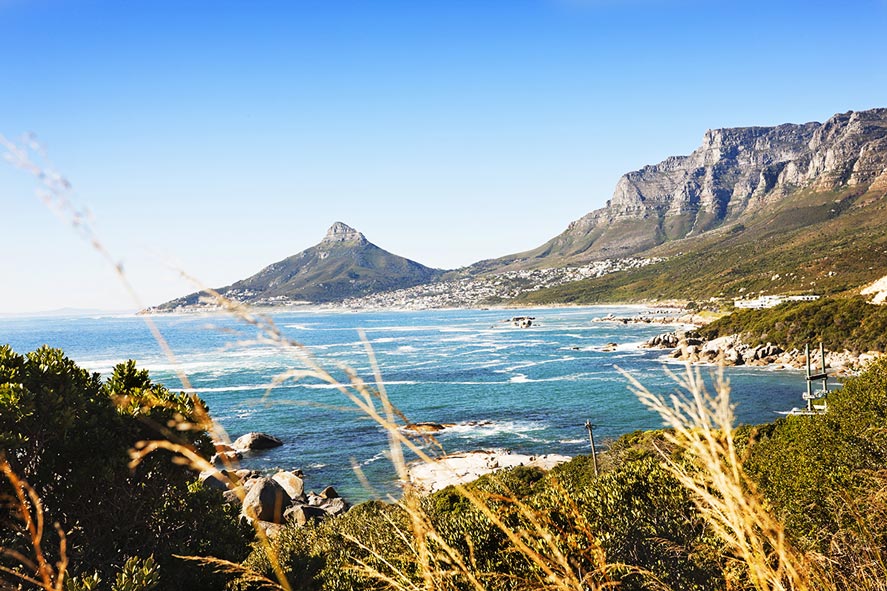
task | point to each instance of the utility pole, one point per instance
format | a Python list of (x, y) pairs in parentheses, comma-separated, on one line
[(590, 429)]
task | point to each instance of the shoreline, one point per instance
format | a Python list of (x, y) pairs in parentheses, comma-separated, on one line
[(732, 351), (465, 467), (320, 308)]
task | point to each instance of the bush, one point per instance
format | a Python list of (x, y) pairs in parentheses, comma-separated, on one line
[(69, 435), (823, 474), (839, 323)]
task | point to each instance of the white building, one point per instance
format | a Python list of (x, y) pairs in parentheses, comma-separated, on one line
[(768, 301)]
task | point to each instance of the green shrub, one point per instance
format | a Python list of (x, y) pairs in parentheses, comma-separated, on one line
[(822, 474), (69, 435), (838, 322)]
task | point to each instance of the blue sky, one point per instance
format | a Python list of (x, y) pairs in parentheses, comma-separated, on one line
[(222, 136)]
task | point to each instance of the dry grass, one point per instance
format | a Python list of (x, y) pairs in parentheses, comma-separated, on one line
[(701, 425), (34, 569)]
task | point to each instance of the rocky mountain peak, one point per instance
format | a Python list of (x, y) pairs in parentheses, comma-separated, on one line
[(339, 233), (735, 174)]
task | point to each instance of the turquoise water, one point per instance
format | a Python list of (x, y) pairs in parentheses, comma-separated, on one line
[(528, 390)]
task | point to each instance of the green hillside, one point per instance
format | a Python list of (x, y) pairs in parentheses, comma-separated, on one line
[(813, 242)]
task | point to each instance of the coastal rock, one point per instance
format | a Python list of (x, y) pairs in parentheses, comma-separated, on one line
[(270, 529), (329, 493), (302, 514), (227, 457), (427, 427), (335, 506), (266, 500), (215, 479), (730, 350), (254, 441), (666, 340), (292, 484)]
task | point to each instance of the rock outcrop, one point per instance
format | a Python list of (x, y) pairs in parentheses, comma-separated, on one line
[(274, 500), (252, 441), (732, 174), (731, 351)]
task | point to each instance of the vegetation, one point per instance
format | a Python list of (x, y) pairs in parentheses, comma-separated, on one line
[(840, 323), (674, 509), (69, 436), (795, 504), (814, 242)]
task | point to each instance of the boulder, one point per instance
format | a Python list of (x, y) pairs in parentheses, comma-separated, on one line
[(666, 340), (329, 493), (243, 475), (302, 514), (217, 479), (335, 506), (231, 497), (272, 530), (252, 441), (227, 457), (292, 484), (265, 500)]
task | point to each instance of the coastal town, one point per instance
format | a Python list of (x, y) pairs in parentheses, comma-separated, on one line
[(498, 288)]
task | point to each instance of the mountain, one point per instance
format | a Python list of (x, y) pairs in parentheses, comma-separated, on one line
[(344, 264), (736, 175)]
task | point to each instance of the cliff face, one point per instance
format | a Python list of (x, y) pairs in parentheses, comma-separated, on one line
[(734, 172)]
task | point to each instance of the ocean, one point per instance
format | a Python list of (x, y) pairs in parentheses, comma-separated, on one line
[(529, 390)]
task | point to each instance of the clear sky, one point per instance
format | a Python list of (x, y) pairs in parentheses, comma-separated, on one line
[(222, 136)]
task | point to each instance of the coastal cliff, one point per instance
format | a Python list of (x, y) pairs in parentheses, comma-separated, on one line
[(733, 175)]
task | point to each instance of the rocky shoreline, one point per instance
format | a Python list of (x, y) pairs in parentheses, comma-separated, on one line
[(268, 501), (730, 350)]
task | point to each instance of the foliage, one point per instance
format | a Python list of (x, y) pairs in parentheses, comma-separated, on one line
[(823, 474), (326, 555), (636, 516), (838, 322), (69, 436), (136, 575)]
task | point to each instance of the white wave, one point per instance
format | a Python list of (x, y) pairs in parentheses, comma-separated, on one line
[(231, 388), (493, 428), (519, 379), (382, 455)]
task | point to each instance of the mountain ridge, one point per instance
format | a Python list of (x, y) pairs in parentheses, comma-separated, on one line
[(733, 173), (343, 264), (749, 210)]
